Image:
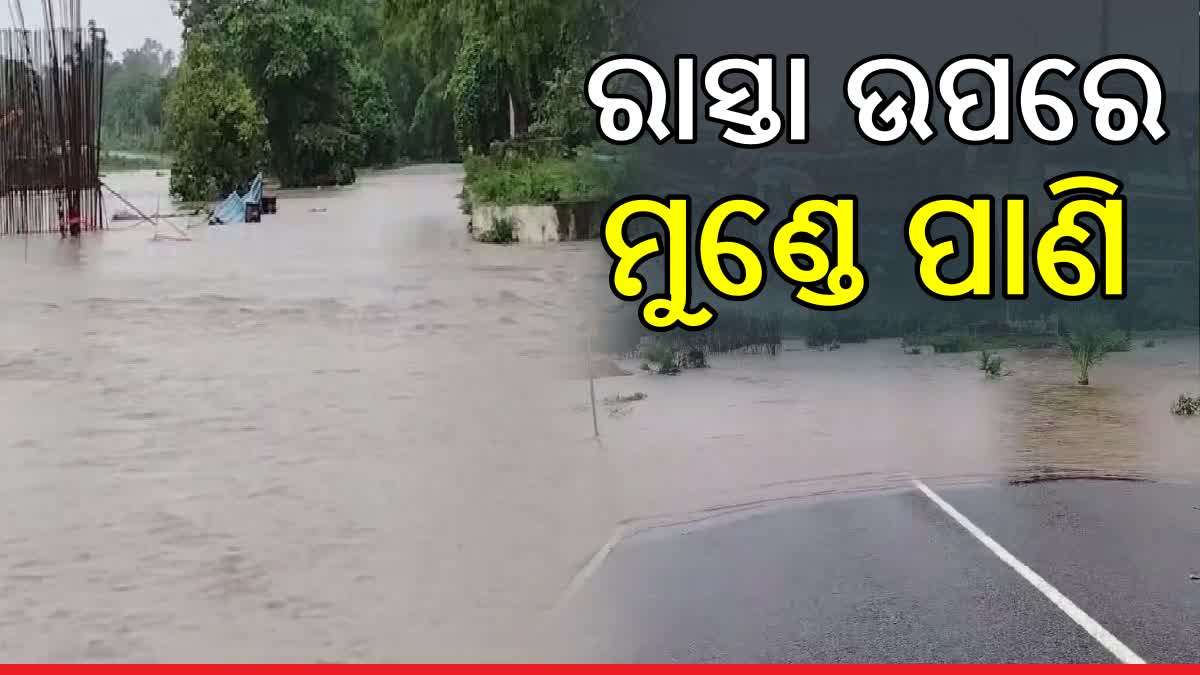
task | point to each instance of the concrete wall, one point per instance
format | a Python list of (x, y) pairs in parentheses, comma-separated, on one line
[(541, 224)]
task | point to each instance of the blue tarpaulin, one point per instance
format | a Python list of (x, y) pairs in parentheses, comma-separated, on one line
[(232, 211), (255, 193)]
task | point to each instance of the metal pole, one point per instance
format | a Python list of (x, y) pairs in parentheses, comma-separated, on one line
[(145, 217), (592, 384)]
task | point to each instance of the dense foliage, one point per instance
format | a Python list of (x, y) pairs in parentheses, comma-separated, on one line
[(343, 84), (217, 128), (135, 92)]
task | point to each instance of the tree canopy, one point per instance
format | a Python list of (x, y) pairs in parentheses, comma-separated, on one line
[(135, 91), (340, 84)]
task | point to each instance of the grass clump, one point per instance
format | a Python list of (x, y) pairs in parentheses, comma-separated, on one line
[(504, 231), (1186, 406)]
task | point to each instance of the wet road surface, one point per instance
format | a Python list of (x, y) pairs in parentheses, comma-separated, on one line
[(890, 577)]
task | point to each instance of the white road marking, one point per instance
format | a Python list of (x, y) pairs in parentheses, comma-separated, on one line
[(1106, 639), (589, 570)]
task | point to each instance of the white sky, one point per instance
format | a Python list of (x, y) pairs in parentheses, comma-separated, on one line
[(128, 22)]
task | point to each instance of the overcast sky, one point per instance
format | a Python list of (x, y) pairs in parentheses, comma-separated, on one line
[(129, 22)]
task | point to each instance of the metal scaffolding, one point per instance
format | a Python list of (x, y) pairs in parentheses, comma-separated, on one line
[(51, 97)]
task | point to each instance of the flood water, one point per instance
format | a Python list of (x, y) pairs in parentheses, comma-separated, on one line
[(349, 433)]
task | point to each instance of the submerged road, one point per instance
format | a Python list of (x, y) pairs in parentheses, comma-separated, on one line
[(1053, 572)]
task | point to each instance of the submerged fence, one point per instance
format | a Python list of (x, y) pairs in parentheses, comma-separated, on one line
[(51, 96)]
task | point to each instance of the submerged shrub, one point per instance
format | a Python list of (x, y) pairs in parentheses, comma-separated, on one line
[(661, 358), (668, 357), (991, 364), (1090, 338), (504, 231), (1186, 406)]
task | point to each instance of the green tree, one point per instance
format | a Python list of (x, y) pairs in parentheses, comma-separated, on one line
[(374, 117), (300, 62), (216, 126), (526, 39), (475, 92)]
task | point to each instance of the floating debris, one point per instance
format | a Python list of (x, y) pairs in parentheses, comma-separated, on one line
[(619, 400)]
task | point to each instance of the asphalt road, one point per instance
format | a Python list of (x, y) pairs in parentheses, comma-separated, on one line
[(894, 578)]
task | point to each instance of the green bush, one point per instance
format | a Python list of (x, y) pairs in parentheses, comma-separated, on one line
[(671, 356), (662, 358), (218, 132), (322, 154), (1090, 338), (504, 231), (561, 112), (546, 180), (475, 90), (374, 118)]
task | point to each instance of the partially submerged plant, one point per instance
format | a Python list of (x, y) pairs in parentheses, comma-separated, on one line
[(1090, 338), (661, 358), (503, 231), (1186, 406), (666, 357), (991, 364)]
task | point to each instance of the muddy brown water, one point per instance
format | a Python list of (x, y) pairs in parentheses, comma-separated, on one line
[(349, 433)]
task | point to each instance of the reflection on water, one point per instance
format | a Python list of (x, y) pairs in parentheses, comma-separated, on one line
[(350, 433)]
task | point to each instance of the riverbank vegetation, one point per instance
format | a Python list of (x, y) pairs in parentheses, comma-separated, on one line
[(111, 162), (577, 176), (316, 89)]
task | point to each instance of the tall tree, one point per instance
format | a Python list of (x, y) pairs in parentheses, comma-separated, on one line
[(216, 126)]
